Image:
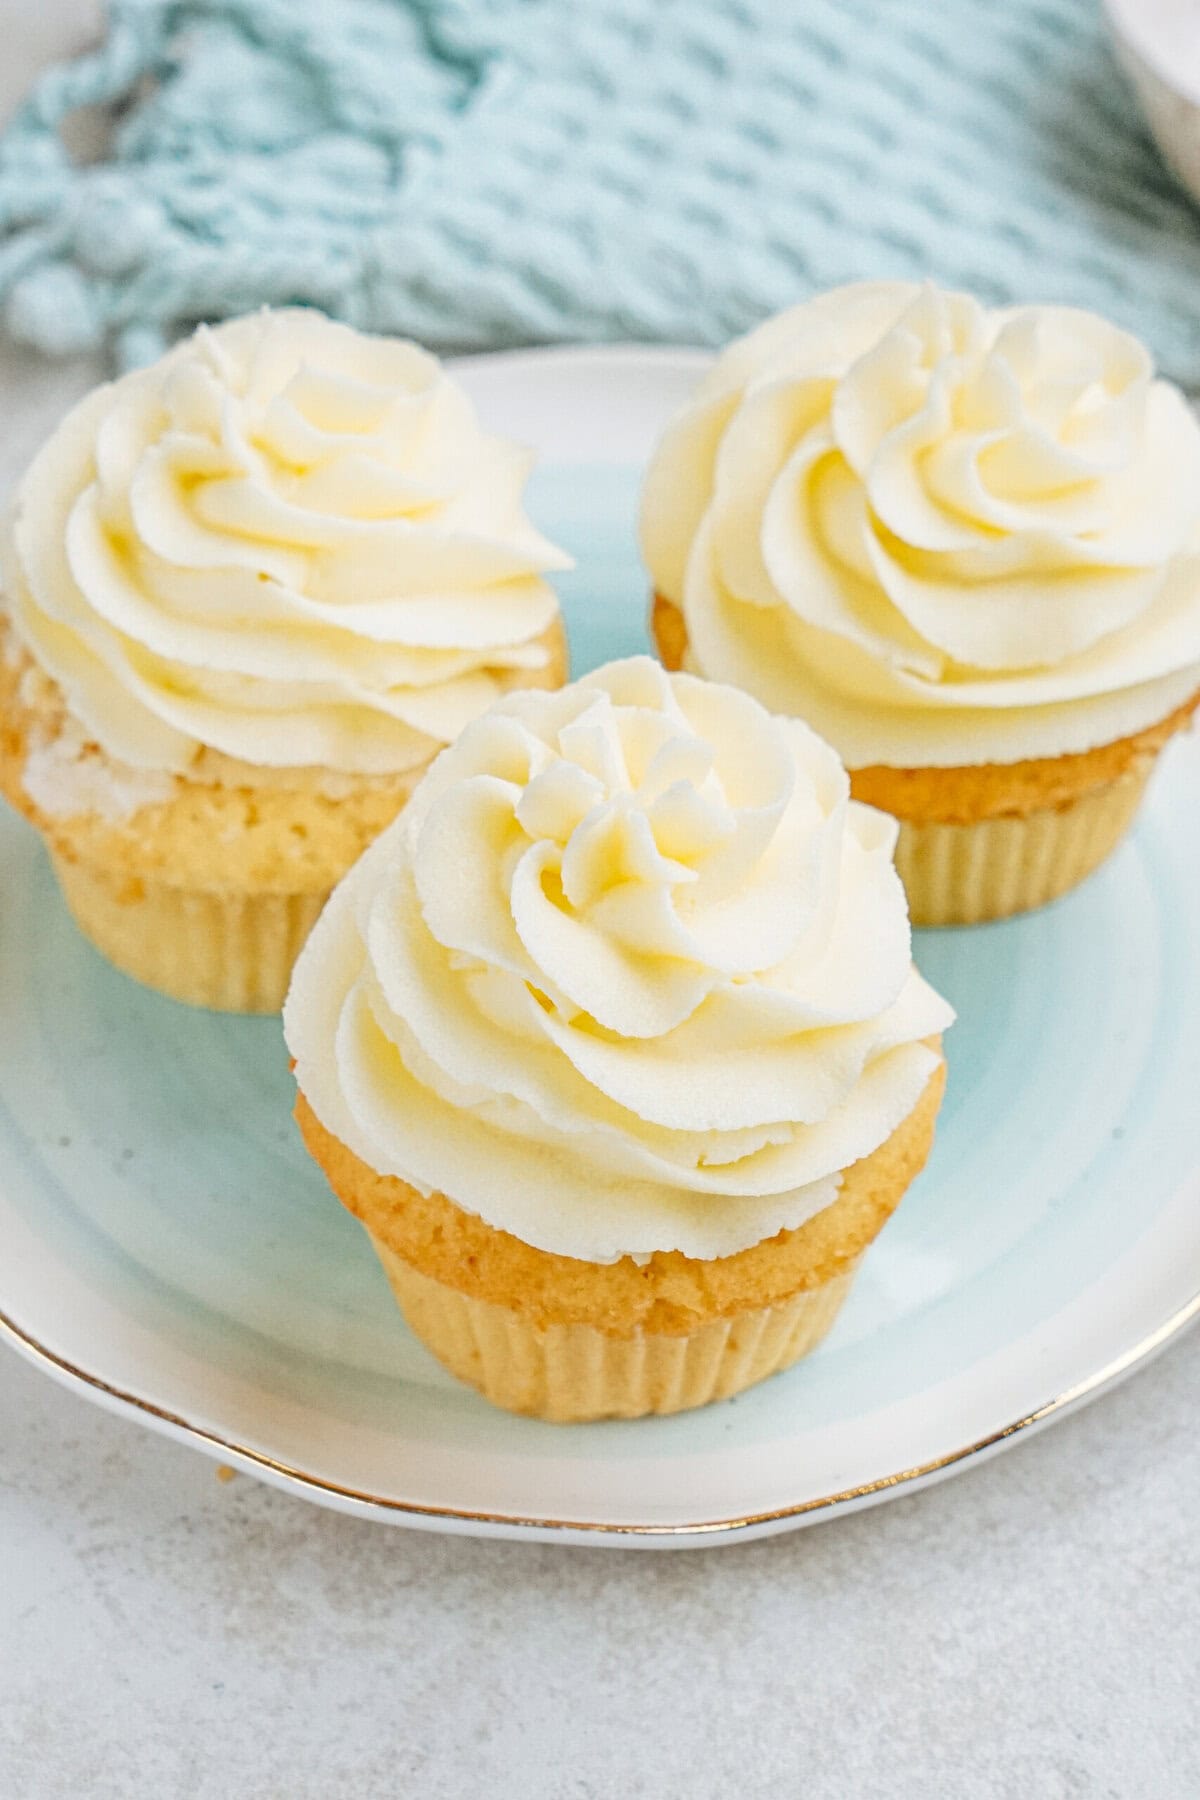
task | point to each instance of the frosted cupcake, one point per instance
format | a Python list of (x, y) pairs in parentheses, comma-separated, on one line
[(614, 1044), (962, 545), (249, 594)]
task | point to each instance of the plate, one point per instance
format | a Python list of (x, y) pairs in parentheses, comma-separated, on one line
[(170, 1252)]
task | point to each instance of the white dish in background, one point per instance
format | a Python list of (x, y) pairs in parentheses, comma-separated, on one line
[(170, 1252), (1158, 45)]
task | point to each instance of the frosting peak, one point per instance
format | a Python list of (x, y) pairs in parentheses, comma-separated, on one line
[(941, 534), (631, 973), (286, 542)]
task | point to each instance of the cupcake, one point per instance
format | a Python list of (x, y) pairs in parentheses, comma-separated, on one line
[(963, 546), (248, 595), (614, 1044)]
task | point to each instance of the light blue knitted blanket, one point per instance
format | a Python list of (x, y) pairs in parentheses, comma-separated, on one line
[(493, 172)]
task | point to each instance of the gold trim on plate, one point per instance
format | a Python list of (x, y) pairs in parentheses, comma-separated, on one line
[(1089, 1387)]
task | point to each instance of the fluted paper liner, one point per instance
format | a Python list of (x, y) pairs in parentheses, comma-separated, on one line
[(964, 874), (569, 1373), (232, 952)]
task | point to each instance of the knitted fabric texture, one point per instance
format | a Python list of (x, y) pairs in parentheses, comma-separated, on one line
[(493, 172)]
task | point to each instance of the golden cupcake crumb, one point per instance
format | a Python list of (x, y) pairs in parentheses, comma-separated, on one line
[(991, 840), (669, 1295), (208, 895), (963, 796)]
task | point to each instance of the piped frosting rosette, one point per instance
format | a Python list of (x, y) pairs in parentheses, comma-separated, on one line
[(287, 543), (941, 534), (631, 973)]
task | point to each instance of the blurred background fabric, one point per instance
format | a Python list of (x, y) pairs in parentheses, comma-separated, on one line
[(482, 173)]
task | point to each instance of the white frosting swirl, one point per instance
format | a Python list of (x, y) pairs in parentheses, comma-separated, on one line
[(286, 542), (631, 973), (941, 535)]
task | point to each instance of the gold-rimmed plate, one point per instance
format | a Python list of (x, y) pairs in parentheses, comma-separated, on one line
[(167, 1249)]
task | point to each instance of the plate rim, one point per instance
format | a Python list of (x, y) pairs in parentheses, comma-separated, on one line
[(332, 1494), (713, 1532)]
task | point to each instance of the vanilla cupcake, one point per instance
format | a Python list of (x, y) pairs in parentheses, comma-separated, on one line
[(963, 546), (249, 594), (614, 1044)]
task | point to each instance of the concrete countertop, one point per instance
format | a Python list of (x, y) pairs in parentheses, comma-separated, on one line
[(1024, 1632), (1027, 1630)]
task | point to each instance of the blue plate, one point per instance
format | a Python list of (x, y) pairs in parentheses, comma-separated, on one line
[(169, 1250)]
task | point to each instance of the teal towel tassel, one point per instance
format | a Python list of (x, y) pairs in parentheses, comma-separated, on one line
[(494, 172)]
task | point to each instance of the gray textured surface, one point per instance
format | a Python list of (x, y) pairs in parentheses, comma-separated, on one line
[(1029, 1630), (1026, 1631)]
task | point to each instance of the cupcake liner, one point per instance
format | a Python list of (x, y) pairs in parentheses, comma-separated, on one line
[(570, 1373), (231, 952), (964, 874)]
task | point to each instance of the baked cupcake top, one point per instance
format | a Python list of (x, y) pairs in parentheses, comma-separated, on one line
[(286, 543), (940, 534), (630, 973)]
